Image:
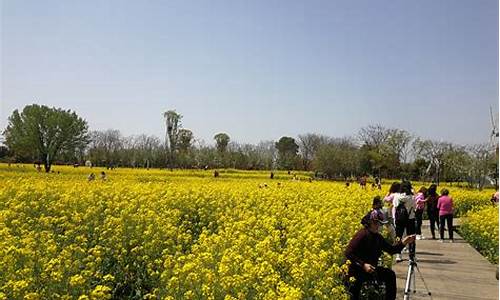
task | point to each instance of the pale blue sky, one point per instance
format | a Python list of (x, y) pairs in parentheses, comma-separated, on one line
[(257, 70)]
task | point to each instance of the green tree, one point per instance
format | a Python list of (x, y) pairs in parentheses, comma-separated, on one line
[(383, 150), (45, 133), (287, 152), (221, 140), (340, 157), (223, 158), (173, 124), (185, 157), (185, 139)]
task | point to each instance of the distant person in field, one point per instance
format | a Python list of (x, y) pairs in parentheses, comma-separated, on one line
[(445, 206), (494, 197), (420, 199), (362, 181), (378, 182), (272, 175), (91, 177), (432, 209), (216, 174), (103, 176)]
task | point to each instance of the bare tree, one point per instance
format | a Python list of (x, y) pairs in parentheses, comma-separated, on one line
[(399, 141), (309, 144), (105, 146), (374, 135), (433, 152), (482, 164)]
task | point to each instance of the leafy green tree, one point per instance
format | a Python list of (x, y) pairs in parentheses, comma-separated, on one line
[(221, 140), (287, 152), (45, 133), (223, 158), (185, 139), (338, 158), (383, 150), (4, 151), (173, 124), (185, 157)]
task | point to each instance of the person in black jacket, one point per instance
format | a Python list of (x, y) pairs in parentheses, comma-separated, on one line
[(432, 210), (364, 251)]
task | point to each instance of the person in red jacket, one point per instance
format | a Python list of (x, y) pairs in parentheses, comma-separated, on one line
[(364, 251)]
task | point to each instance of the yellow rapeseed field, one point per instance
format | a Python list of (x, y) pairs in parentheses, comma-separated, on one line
[(480, 228), (159, 234)]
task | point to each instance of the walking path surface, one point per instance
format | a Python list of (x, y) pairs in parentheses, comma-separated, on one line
[(450, 270)]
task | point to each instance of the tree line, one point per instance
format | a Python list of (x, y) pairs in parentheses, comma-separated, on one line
[(39, 134)]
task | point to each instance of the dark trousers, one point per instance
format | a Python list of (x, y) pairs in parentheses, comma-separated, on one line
[(418, 217), (410, 229), (449, 224), (433, 221), (383, 275)]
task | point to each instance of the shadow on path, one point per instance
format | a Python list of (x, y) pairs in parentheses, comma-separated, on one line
[(429, 253)]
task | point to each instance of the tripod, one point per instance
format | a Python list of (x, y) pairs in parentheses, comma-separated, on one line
[(410, 277)]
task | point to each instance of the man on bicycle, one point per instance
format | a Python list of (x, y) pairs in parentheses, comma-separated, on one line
[(364, 251)]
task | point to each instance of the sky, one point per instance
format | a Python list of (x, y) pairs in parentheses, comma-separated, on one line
[(257, 70)]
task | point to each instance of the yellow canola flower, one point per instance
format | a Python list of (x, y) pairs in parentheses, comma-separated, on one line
[(163, 234)]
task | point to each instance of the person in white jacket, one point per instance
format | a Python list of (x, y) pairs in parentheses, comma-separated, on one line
[(404, 214)]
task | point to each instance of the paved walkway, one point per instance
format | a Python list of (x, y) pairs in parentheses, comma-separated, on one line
[(450, 270)]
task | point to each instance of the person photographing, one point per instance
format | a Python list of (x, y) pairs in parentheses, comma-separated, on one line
[(364, 251)]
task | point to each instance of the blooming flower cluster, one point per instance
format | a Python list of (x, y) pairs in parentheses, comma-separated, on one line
[(480, 228)]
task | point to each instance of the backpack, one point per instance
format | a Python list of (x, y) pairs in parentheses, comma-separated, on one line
[(402, 215)]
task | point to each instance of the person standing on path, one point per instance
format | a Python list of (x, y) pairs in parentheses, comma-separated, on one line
[(432, 210), (405, 214), (445, 206), (389, 198), (419, 210)]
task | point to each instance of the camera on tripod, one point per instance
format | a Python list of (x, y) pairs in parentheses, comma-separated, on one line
[(410, 275)]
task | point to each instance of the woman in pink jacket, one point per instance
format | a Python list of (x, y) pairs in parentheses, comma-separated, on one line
[(445, 206), (420, 200)]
